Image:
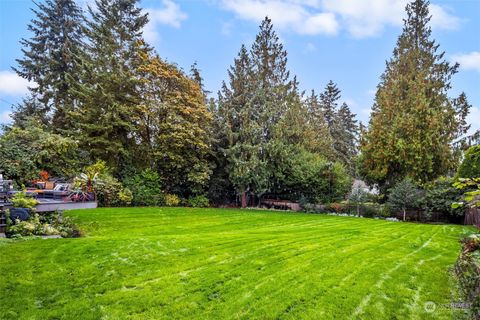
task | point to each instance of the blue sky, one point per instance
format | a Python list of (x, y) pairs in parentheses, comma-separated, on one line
[(346, 41)]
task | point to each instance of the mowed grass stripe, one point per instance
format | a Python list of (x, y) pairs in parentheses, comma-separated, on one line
[(164, 263), (325, 273), (254, 252)]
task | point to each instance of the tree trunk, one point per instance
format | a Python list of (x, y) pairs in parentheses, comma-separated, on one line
[(404, 214), (358, 210), (244, 199)]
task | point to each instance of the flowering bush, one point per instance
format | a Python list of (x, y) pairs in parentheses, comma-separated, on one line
[(172, 200)]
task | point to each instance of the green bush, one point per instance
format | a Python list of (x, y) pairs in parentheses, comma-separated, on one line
[(467, 270), (125, 196), (308, 207), (368, 210), (21, 200), (52, 223), (404, 195), (146, 188), (111, 193), (311, 176), (198, 201), (470, 167), (439, 197), (172, 200)]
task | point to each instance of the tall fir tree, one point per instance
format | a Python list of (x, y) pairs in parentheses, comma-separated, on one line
[(341, 124), (413, 122), (317, 121), (239, 135), (346, 142), (30, 108), (329, 99), (50, 61), (274, 88), (195, 74), (108, 91), (254, 106)]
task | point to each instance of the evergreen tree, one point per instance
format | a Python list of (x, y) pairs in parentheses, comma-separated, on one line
[(316, 118), (108, 92), (274, 89), (255, 107), (413, 122), (197, 77), (239, 135), (341, 124), (329, 101), (346, 142), (50, 60), (30, 108), (275, 95)]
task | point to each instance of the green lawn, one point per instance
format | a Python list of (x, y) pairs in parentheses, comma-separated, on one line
[(164, 263)]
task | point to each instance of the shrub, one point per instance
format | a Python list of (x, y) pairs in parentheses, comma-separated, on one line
[(383, 210), (313, 177), (52, 223), (90, 180), (305, 206), (22, 200), (111, 193), (404, 195), (356, 197), (200, 201), (471, 195), (172, 200), (125, 196), (146, 188), (470, 167), (336, 207), (467, 270), (439, 197), (368, 210)]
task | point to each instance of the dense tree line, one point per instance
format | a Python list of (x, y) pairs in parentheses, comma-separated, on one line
[(102, 93), (100, 87)]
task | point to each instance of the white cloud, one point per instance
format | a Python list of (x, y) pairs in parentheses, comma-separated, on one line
[(12, 84), (473, 119), (369, 18), (5, 117), (325, 23), (468, 61), (294, 15), (310, 47), (170, 15), (442, 19), (351, 103), (226, 29), (366, 111), (360, 18)]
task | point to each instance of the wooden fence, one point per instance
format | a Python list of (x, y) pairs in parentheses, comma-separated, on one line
[(472, 217)]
